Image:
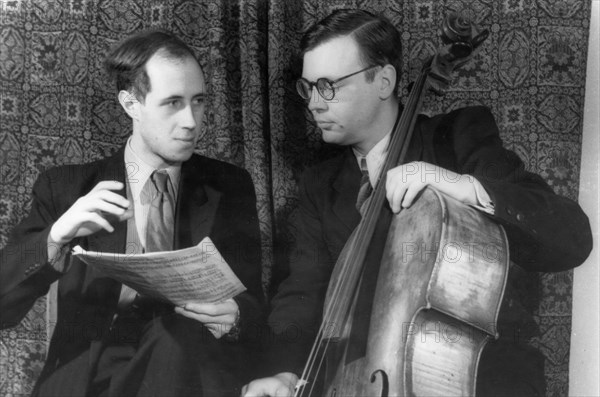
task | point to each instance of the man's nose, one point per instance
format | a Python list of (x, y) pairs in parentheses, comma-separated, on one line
[(316, 101), (188, 117)]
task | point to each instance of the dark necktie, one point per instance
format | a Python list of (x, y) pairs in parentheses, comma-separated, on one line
[(365, 188), (160, 226)]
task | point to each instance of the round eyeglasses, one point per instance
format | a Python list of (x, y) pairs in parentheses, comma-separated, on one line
[(325, 87)]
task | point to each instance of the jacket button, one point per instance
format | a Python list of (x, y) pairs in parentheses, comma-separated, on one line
[(520, 217), (509, 211)]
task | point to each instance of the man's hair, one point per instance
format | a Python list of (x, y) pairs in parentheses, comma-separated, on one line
[(378, 40), (126, 63)]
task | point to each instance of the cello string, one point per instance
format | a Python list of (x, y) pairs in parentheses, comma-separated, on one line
[(317, 354), (321, 359)]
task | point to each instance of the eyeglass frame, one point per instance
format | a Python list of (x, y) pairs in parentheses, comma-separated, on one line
[(311, 84)]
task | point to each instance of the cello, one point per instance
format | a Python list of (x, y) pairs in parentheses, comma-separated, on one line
[(414, 296)]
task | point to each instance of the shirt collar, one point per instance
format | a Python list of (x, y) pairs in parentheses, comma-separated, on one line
[(375, 158), (138, 172)]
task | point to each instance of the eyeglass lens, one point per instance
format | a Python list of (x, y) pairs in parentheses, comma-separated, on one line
[(324, 87)]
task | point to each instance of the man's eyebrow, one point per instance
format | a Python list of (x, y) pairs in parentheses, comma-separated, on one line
[(170, 98), (174, 97)]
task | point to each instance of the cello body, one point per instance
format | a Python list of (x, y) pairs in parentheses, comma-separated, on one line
[(439, 290)]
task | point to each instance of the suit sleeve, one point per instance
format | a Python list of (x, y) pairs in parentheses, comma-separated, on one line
[(25, 274), (546, 232), (241, 248)]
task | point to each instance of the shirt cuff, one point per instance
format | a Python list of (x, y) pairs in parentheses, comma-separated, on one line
[(57, 256), (484, 201), (234, 333)]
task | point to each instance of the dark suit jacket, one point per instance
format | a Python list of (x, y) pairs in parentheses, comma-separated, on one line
[(215, 199), (546, 232)]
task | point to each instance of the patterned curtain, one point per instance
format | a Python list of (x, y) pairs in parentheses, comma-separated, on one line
[(56, 107)]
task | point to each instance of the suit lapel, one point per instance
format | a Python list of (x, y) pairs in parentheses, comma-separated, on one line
[(197, 204), (346, 186), (415, 149), (115, 241), (96, 283)]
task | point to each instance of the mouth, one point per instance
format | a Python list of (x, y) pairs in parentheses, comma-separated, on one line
[(324, 124), (187, 140)]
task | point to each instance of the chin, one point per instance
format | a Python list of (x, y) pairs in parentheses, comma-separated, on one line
[(332, 137), (185, 156), (178, 158)]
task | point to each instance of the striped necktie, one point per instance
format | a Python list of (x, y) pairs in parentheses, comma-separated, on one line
[(160, 225), (365, 188)]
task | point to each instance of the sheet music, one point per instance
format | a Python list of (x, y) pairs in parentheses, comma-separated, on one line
[(195, 274)]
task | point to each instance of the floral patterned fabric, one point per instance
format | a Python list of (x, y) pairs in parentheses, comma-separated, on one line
[(56, 107)]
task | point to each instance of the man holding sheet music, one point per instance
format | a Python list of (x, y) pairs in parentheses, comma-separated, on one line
[(154, 194)]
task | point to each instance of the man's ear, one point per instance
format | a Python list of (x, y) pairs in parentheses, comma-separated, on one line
[(387, 80), (130, 103)]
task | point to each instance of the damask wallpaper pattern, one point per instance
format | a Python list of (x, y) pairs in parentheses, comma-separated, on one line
[(57, 107)]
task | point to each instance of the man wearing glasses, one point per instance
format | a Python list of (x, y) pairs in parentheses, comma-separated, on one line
[(351, 62)]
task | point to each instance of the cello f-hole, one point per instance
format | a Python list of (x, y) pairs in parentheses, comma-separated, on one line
[(385, 383)]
